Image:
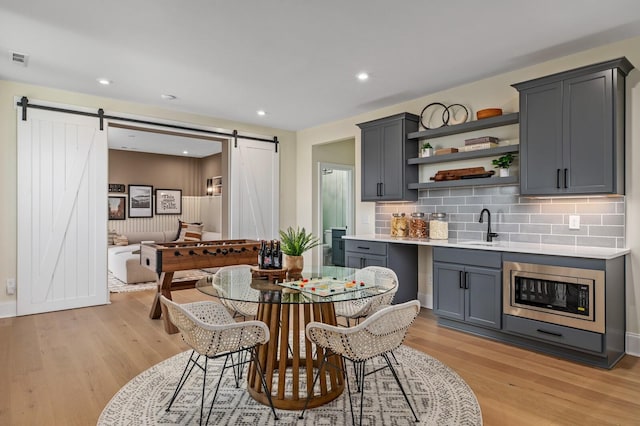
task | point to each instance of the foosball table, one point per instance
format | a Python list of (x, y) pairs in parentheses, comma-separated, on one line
[(167, 258)]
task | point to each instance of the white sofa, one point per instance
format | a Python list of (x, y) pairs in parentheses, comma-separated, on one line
[(124, 263)]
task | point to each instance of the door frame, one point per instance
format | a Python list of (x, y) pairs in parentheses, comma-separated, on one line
[(351, 211)]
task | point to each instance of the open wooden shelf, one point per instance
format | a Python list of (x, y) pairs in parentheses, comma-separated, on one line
[(465, 182), (485, 123), (456, 156)]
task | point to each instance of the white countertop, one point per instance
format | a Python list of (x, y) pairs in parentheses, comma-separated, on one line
[(531, 248)]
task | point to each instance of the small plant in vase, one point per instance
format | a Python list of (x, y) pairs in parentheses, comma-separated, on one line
[(503, 163), (293, 243), (426, 150)]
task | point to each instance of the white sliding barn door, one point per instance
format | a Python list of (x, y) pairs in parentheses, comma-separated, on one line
[(62, 212), (255, 188)]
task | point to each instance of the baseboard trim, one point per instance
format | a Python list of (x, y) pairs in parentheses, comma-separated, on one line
[(633, 344), (426, 300), (8, 309)]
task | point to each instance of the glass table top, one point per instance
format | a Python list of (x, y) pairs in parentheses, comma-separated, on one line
[(318, 285)]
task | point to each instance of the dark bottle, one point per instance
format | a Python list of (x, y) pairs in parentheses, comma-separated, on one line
[(277, 256), (261, 255), (267, 256)]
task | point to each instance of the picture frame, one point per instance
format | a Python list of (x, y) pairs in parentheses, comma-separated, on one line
[(140, 201), (168, 201), (117, 208)]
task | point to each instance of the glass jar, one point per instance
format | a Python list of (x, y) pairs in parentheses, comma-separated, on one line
[(417, 225), (439, 226), (399, 225)]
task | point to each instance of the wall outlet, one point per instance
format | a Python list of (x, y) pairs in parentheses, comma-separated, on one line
[(574, 222), (11, 286)]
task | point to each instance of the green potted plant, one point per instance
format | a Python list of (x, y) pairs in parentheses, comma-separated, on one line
[(503, 163), (293, 243), (426, 150)]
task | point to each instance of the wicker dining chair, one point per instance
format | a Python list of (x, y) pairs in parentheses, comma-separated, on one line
[(360, 308), (237, 279), (211, 332), (378, 335)]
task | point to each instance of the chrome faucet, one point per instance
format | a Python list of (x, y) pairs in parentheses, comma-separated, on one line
[(490, 235)]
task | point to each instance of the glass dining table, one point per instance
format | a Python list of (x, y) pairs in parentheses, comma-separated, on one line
[(289, 360)]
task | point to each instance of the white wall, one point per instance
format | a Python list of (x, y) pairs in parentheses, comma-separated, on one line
[(493, 92)]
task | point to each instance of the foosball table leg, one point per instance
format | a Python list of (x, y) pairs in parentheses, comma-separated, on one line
[(158, 309)]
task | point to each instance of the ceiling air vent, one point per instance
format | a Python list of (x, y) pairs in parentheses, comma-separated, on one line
[(19, 58)]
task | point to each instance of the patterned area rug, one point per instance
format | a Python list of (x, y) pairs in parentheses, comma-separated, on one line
[(440, 396), (117, 286)]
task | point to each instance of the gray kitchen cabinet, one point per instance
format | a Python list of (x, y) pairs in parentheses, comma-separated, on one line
[(464, 289), (401, 258), (385, 150), (572, 131)]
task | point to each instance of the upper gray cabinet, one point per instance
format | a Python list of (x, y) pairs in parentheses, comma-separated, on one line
[(385, 149), (572, 131)]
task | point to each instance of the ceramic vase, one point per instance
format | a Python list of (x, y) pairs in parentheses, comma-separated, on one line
[(504, 172), (426, 152), (293, 265)]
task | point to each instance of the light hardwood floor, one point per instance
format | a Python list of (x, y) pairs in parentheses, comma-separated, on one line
[(61, 368)]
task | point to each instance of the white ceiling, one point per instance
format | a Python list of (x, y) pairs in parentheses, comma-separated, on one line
[(161, 143), (295, 59)]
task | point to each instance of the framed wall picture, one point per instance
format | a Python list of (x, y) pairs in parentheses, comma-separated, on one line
[(168, 201), (117, 208), (140, 201)]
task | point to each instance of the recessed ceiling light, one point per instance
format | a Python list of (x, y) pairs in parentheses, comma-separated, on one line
[(185, 152), (262, 112), (363, 76), (167, 97), (104, 81)]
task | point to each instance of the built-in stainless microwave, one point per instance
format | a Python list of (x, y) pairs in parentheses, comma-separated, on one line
[(567, 296)]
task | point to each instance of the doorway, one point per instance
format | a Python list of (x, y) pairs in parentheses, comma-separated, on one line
[(336, 210)]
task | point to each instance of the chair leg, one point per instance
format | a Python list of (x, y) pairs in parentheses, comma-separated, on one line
[(204, 386), (395, 376), (215, 394), (361, 385), (267, 391), (394, 358), (184, 377), (315, 379), (353, 419)]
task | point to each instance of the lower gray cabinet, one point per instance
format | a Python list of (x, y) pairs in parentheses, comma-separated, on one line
[(464, 291), (401, 258)]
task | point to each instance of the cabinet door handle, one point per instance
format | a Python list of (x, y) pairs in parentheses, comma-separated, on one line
[(558, 179), (361, 262), (566, 185), (461, 280), (381, 189), (378, 189), (364, 248), (551, 333)]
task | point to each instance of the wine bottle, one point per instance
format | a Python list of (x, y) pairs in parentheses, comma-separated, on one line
[(267, 256), (277, 257), (261, 255)]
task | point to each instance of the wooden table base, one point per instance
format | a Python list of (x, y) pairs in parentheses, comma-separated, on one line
[(282, 363)]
